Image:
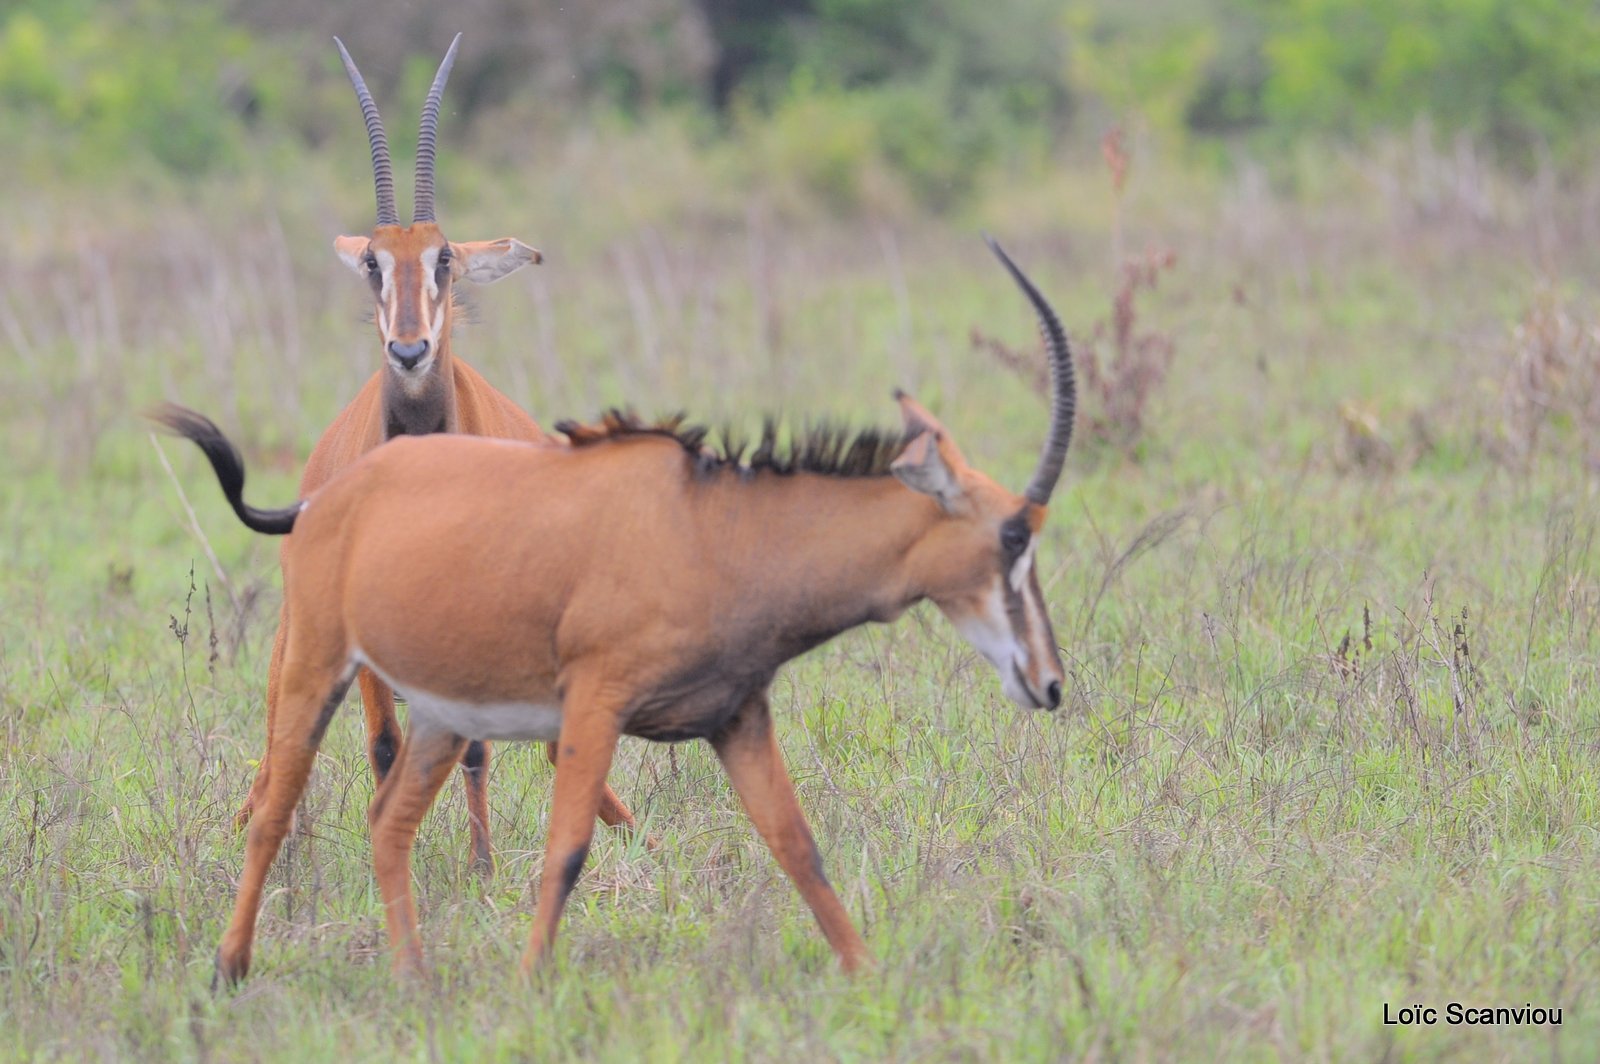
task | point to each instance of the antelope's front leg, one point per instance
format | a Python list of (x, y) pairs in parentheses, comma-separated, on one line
[(397, 809), (589, 731), (383, 729), (748, 748), (258, 786)]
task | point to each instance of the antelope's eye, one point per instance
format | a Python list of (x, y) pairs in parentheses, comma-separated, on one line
[(1013, 538), (372, 263), (444, 259)]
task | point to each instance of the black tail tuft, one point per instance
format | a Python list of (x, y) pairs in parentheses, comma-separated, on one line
[(224, 458)]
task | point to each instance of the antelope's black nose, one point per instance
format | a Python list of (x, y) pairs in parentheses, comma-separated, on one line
[(408, 355), (1052, 694)]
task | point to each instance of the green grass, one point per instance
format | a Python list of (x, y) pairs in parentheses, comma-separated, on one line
[(1234, 841)]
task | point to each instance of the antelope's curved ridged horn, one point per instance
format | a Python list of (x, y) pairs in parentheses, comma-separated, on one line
[(1063, 384), (382, 172), (428, 135)]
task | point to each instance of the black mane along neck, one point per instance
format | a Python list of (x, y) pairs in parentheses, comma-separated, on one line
[(822, 448)]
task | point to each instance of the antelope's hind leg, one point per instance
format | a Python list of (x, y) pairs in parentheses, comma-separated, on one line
[(397, 809), (383, 749), (748, 749), (310, 697), (475, 777)]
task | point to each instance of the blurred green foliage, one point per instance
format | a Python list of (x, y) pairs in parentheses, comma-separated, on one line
[(1514, 72), (930, 93), (855, 100), (94, 83), (1144, 61)]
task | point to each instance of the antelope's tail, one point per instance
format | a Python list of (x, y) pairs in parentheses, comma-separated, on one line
[(224, 458)]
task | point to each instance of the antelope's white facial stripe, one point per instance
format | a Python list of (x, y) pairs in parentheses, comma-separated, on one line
[(385, 274), (1040, 635), (431, 313), (1035, 618), (1021, 567), (430, 272)]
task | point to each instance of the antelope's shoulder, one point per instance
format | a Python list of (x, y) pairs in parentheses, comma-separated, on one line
[(355, 431), (487, 411)]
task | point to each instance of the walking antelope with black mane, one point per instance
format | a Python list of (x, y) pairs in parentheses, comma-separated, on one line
[(421, 388), (637, 583)]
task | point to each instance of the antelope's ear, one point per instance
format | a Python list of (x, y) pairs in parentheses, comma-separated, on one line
[(353, 250), (918, 420), (483, 261), (915, 415), (922, 467)]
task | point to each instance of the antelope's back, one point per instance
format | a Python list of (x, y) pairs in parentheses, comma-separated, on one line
[(434, 554)]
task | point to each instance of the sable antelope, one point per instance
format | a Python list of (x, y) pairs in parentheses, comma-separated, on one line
[(421, 388), (636, 583)]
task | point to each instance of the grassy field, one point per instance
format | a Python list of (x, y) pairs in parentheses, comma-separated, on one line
[(1332, 620)]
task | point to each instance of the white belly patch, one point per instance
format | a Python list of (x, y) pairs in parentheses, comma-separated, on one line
[(495, 721), (498, 721)]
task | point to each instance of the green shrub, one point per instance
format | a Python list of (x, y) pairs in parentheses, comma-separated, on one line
[(95, 84), (1143, 61), (1513, 71), (824, 141)]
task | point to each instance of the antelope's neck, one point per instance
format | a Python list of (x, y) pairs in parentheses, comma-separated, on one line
[(426, 407), (826, 553)]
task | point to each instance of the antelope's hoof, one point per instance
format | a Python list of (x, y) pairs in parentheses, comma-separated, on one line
[(229, 972), (536, 957), (652, 841), (410, 969), (858, 963)]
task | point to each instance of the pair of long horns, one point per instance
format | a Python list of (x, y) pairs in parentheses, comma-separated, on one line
[(1063, 384), (382, 172)]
